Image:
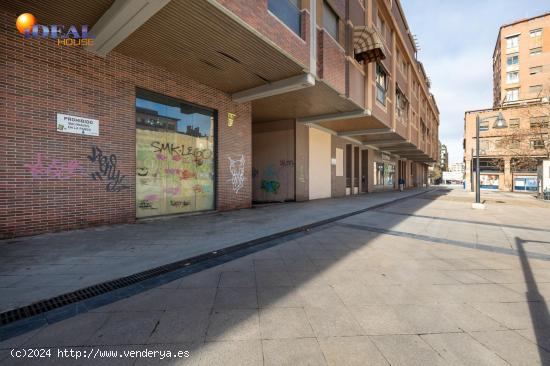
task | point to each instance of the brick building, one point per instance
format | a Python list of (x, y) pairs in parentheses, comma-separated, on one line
[(510, 152), (189, 106)]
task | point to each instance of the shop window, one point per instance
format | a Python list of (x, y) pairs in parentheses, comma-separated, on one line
[(174, 156), (378, 174), (288, 11)]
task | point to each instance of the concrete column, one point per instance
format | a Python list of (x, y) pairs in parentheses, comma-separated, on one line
[(507, 186)]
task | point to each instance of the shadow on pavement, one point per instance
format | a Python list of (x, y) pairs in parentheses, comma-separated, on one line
[(539, 315)]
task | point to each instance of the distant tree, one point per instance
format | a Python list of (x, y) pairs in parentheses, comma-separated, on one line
[(528, 145)]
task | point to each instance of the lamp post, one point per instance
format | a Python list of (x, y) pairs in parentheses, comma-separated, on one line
[(499, 123)]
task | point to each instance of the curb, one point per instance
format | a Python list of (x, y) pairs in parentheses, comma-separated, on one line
[(48, 311)]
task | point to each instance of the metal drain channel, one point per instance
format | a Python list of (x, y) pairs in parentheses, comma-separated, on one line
[(69, 298)]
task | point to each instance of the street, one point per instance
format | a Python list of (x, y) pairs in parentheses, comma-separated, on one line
[(428, 281)]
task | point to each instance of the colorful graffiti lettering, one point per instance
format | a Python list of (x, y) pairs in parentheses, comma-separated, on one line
[(172, 149), (270, 186), (270, 171), (54, 168), (187, 174), (176, 157), (161, 157), (236, 167), (107, 170)]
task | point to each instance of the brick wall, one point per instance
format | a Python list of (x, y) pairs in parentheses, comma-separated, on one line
[(42, 79), (255, 13), (331, 62)]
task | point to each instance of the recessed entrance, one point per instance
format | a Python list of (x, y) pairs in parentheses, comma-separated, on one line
[(174, 156)]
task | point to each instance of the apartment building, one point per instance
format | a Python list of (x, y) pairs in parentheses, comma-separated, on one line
[(181, 107), (514, 133), (443, 157)]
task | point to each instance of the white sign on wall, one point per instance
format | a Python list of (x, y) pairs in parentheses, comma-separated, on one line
[(78, 125)]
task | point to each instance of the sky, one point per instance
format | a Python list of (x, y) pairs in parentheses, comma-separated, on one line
[(457, 39)]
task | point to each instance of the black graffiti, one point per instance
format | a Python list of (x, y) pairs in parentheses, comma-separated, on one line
[(174, 203), (146, 204), (182, 150), (107, 171), (142, 172)]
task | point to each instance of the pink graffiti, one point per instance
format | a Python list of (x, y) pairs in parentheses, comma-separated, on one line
[(151, 197), (161, 157), (176, 157), (174, 191), (54, 168)]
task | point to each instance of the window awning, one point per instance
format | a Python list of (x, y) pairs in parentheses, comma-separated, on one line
[(367, 44)]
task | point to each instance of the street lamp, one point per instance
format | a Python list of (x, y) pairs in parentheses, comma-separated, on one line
[(499, 123)]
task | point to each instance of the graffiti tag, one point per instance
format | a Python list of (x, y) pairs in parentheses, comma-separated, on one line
[(107, 170), (270, 186), (54, 168), (236, 167)]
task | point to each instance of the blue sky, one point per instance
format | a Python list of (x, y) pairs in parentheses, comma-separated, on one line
[(456, 39)]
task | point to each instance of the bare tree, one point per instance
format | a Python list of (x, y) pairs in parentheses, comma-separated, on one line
[(529, 144)]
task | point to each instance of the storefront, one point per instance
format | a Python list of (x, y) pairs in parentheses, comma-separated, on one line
[(175, 159), (525, 183), (384, 175), (489, 181)]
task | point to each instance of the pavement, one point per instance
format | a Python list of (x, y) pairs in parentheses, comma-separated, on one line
[(425, 281), (44, 266)]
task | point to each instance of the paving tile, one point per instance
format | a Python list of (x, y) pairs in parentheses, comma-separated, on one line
[(292, 352), (237, 279), (283, 297), (462, 349), (407, 350), (126, 328), (176, 326), (75, 331), (236, 298), (513, 348), (517, 315), (538, 336), (233, 325), (468, 318), (232, 353), (351, 351), (403, 319), (466, 277), (284, 323), (273, 278), (204, 279), (336, 321)]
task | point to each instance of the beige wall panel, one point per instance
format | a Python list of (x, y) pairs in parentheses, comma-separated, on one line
[(319, 164)]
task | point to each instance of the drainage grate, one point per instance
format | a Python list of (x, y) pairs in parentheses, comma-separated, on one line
[(57, 302)]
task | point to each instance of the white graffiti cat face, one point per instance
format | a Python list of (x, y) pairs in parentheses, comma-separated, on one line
[(236, 167)]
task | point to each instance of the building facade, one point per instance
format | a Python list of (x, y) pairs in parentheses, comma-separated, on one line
[(443, 157), (510, 150), (168, 112)]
